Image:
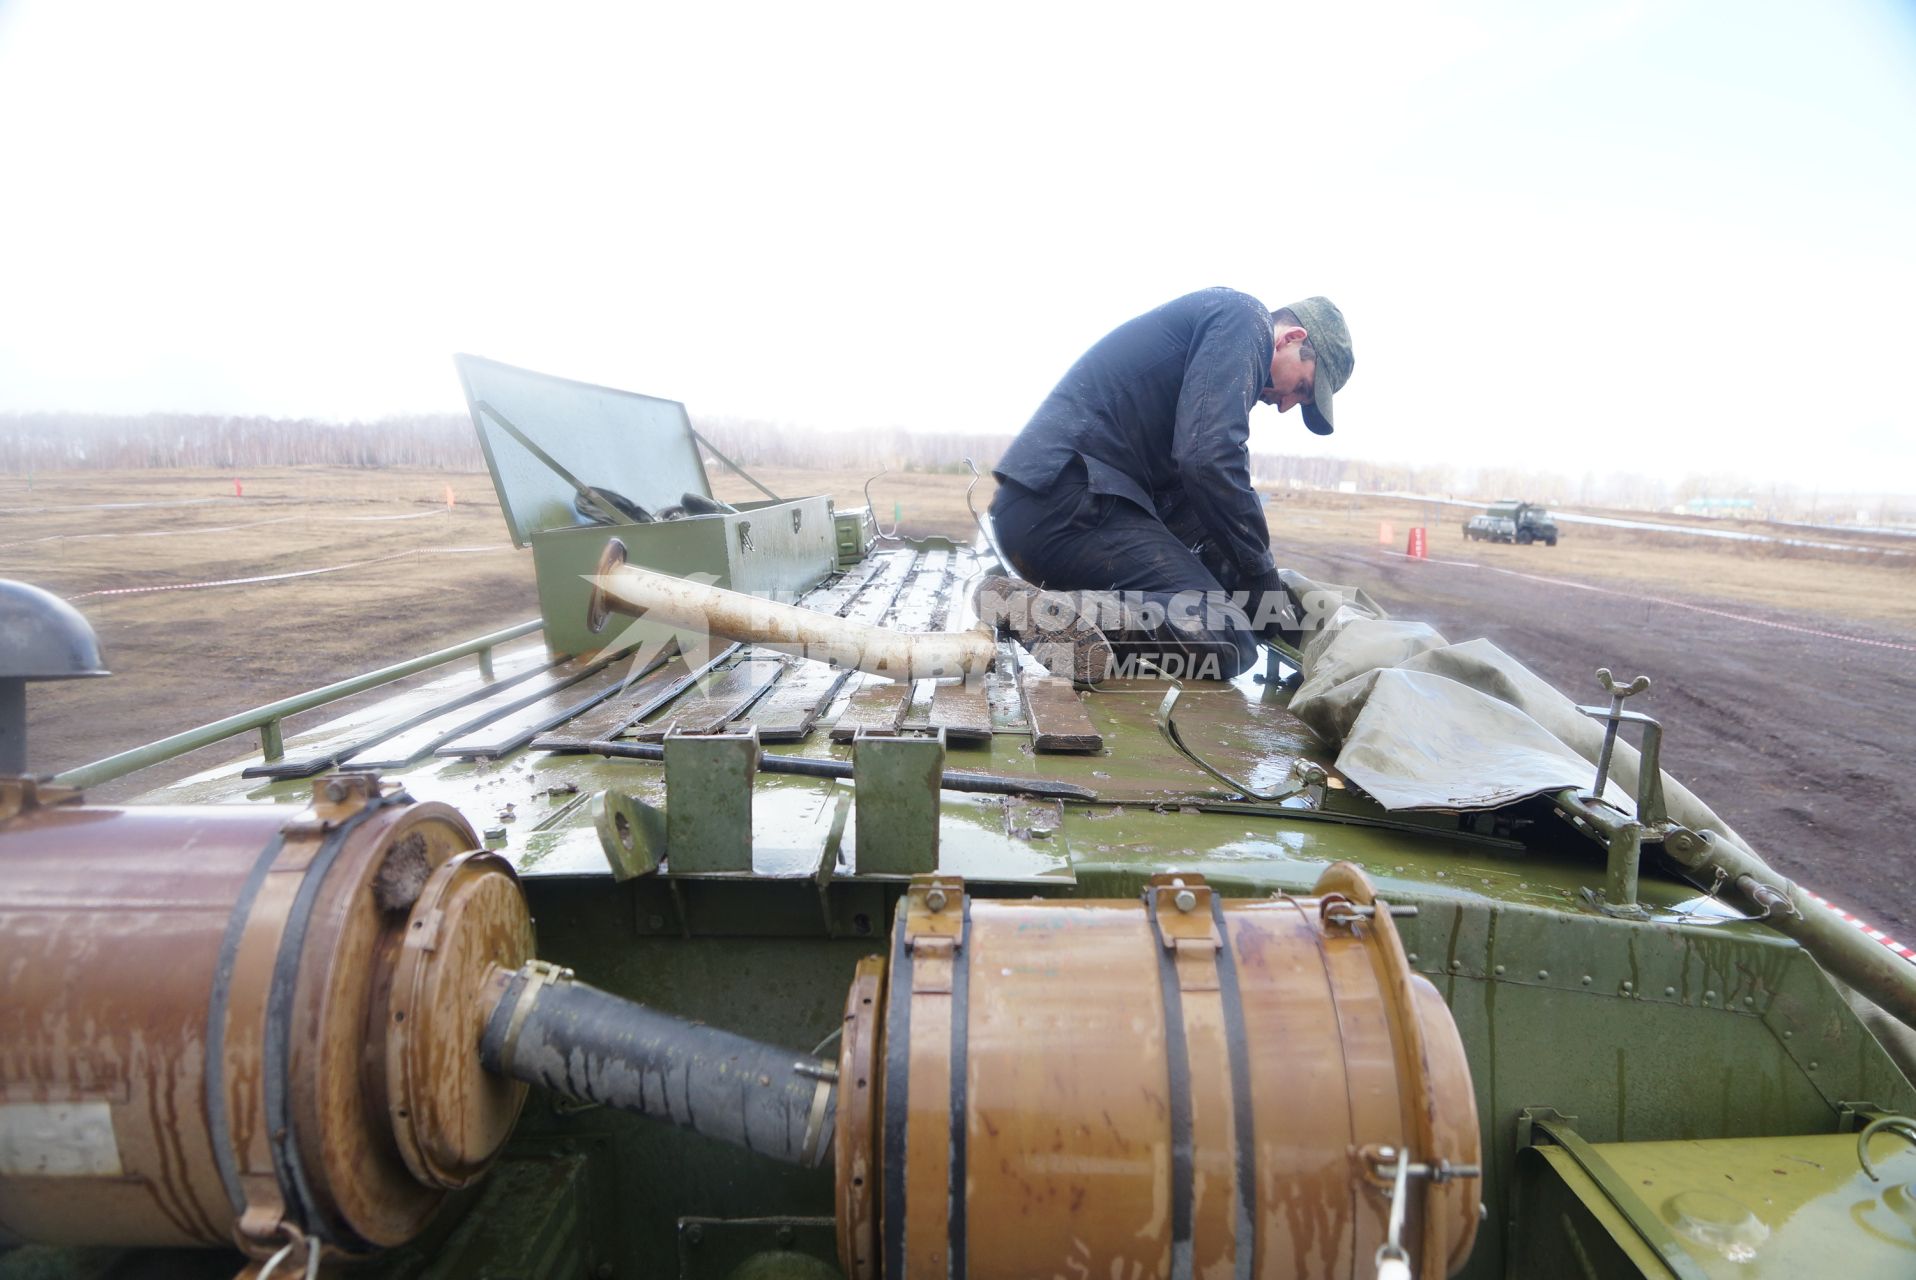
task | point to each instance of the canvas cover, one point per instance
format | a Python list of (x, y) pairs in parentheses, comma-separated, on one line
[(1421, 723)]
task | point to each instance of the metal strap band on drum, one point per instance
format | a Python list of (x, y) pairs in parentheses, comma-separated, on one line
[(279, 1031), (218, 1122), (260, 914), (1177, 1061), (1243, 1117), (923, 1044), (960, 1050), (1203, 1006), (896, 1099)]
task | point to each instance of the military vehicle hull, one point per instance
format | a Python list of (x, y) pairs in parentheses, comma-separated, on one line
[(1156, 978)]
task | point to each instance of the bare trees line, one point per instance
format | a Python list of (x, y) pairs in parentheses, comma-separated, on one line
[(63, 441), (70, 441), (34, 442)]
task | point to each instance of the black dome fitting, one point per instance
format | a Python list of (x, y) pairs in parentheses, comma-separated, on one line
[(42, 637)]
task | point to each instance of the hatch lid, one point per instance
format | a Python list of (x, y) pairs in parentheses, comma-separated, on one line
[(639, 447)]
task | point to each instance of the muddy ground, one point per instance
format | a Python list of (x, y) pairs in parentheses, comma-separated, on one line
[(1786, 682)]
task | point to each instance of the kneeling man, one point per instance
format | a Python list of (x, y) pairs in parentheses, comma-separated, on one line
[(1132, 481)]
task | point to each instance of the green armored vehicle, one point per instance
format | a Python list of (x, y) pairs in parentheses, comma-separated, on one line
[(1520, 522), (752, 913)]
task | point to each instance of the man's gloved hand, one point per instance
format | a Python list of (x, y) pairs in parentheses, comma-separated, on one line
[(1269, 607)]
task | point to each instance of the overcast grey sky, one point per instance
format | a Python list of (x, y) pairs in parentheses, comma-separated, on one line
[(1660, 237)]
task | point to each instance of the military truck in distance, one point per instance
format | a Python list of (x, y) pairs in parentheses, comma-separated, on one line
[(1519, 522)]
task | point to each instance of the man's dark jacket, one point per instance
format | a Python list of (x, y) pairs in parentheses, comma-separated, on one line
[(1160, 412)]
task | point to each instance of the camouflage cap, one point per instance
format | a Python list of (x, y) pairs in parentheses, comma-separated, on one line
[(1331, 339)]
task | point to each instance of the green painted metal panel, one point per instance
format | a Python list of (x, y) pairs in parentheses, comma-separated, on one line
[(774, 549), (708, 801), (896, 803), (856, 534), (638, 446)]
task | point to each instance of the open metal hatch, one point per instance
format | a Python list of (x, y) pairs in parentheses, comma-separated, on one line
[(640, 448)]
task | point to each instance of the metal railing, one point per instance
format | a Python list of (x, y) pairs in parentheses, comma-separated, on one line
[(267, 718)]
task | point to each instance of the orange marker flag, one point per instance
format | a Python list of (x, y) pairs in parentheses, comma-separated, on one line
[(237, 491), (449, 498)]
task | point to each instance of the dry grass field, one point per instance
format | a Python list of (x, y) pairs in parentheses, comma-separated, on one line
[(1864, 585), (1787, 679), (401, 580)]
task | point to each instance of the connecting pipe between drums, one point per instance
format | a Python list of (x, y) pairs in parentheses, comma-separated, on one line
[(658, 597), (562, 1035)]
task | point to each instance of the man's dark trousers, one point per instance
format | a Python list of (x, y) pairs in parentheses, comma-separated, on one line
[(1071, 539)]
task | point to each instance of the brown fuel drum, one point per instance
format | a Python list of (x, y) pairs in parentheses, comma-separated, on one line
[(1172, 1085)]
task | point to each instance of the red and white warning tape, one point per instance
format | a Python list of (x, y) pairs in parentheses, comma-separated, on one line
[(283, 577), (1868, 931)]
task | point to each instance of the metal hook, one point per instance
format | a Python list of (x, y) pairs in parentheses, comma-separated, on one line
[(1902, 1126), (1722, 878), (883, 532), (298, 1237), (892, 534), (985, 530)]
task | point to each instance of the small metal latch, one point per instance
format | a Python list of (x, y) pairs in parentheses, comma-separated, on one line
[(1390, 1163), (335, 799), (934, 908), (745, 535), (424, 935), (798, 518), (1650, 807), (934, 929), (1335, 908), (1182, 906)]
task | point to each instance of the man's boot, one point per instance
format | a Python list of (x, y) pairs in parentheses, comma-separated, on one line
[(1051, 625)]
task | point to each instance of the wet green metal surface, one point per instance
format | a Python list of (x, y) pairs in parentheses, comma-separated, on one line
[(1758, 1208)]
